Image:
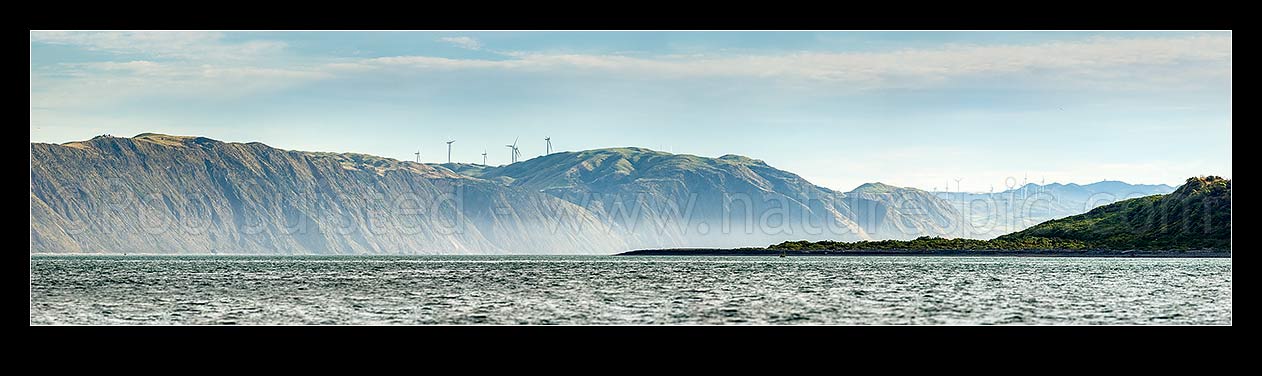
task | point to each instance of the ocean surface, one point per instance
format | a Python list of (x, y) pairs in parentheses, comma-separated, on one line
[(627, 290)]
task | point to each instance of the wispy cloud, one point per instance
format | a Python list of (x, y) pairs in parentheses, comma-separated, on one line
[(1135, 81), (467, 43), (194, 64), (198, 45), (102, 83), (205, 63), (1082, 62)]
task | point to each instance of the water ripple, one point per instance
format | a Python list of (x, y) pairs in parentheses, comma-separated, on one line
[(627, 290)]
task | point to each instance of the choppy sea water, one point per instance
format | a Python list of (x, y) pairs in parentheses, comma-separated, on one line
[(627, 290)]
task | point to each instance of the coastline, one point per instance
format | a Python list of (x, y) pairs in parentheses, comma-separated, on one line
[(987, 253)]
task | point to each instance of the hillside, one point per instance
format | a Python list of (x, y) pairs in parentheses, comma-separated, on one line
[(157, 193), (665, 199), (175, 194), (1196, 215), (896, 210)]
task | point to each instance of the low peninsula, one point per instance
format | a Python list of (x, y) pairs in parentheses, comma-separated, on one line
[(944, 252)]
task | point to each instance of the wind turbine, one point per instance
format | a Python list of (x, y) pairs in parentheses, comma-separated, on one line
[(959, 192), (418, 154), (1043, 189), (449, 150), (512, 149), (549, 140), (1025, 191), (483, 156)]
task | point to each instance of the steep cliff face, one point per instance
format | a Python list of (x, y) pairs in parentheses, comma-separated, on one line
[(172, 194)]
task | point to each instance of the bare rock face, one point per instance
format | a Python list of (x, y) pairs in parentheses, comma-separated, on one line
[(193, 195), (175, 194)]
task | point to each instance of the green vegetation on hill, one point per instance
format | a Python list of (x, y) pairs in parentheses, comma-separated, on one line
[(1195, 216), (927, 243)]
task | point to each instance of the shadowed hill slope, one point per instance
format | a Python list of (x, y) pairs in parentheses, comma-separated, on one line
[(157, 193), (176, 194)]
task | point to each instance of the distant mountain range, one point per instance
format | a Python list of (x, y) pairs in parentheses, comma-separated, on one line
[(661, 199), (994, 214), (157, 193), (1194, 221)]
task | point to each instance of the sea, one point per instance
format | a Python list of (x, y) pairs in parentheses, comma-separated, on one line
[(627, 290)]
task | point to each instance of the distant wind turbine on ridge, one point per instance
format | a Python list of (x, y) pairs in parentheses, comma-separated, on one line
[(1025, 191), (549, 140), (418, 154), (449, 150), (513, 151)]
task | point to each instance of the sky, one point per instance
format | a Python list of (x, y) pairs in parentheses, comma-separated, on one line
[(959, 110)]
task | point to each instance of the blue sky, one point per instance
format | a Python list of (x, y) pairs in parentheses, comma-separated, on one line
[(839, 108)]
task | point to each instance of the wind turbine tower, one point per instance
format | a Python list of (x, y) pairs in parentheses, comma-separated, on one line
[(1025, 191), (484, 156), (449, 150), (549, 140), (418, 154), (513, 152)]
